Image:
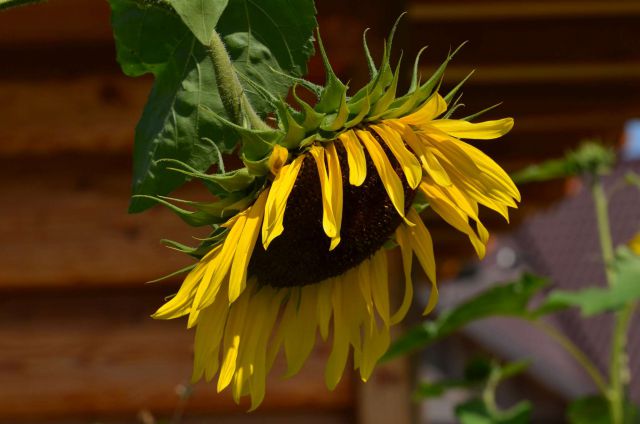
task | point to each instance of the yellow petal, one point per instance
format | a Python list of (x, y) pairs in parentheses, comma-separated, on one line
[(181, 303), (261, 364), (324, 307), (300, 325), (429, 162), (218, 270), (335, 181), (244, 249), (380, 285), (487, 130), (423, 248), (340, 351), (442, 204), (407, 160), (422, 245), (407, 261), (390, 179), (232, 340), (278, 158), (277, 202), (375, 344), (355, 158), (430, 110), (328, 219), (363, 275), (499, 178), (634, 244), (207, 340)]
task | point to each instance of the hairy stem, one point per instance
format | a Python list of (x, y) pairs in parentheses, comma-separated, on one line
[(231, 91)]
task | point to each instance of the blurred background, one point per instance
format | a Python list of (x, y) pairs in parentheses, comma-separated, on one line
[(76, 341)]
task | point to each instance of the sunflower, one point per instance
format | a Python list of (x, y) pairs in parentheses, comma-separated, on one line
[(300, 234)]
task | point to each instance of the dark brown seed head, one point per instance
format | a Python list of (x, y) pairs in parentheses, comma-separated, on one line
[(300, 255)]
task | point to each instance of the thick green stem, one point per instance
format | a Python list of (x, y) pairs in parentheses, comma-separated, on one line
[(231, 91), (576, 353), (618, 367), (604, 230)]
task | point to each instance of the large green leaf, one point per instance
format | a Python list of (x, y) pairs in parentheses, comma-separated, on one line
[(177, 121), (510, 299), (284, 26), (596, 300), (200, 16)]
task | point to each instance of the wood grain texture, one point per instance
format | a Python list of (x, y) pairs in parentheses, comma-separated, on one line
[(97, 354), (90, 113), (65, 224)]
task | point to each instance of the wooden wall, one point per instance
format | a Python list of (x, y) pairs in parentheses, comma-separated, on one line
[(76, 343)]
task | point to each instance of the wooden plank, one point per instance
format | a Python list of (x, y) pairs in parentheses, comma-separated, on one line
[(97, 355), (611, 40), (67, 225), (94, 113), (423, 11), (56, 21), (536, 73)]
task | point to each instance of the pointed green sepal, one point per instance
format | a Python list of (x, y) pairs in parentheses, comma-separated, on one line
[(294, 132), (427, 89), (256, 144), (173, 274), (195, 252), (229, 182), (192, 218), (334, 90), (336, 121), (258, 167), (309, 140), (373, 71), (382, 105), (457, 88), (404, 105), (222, 209), (360, 109), (415, 76), (454, 108), (482, 112), (312, 119)]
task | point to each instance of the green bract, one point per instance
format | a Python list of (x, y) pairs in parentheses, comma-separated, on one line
[(298, 128)]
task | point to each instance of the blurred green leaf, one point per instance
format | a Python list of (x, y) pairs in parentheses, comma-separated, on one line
[(596, 300), (476, 411), (510, 299), (6, 4), (633, 179), (476, 372), (151, 37), (437, 389), (595, 410), (590, 158)]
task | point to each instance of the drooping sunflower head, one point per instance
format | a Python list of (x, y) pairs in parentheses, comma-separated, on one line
[(299, 235)]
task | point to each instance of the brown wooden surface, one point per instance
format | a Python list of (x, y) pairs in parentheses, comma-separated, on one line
[(96, 353), (76, 343)]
